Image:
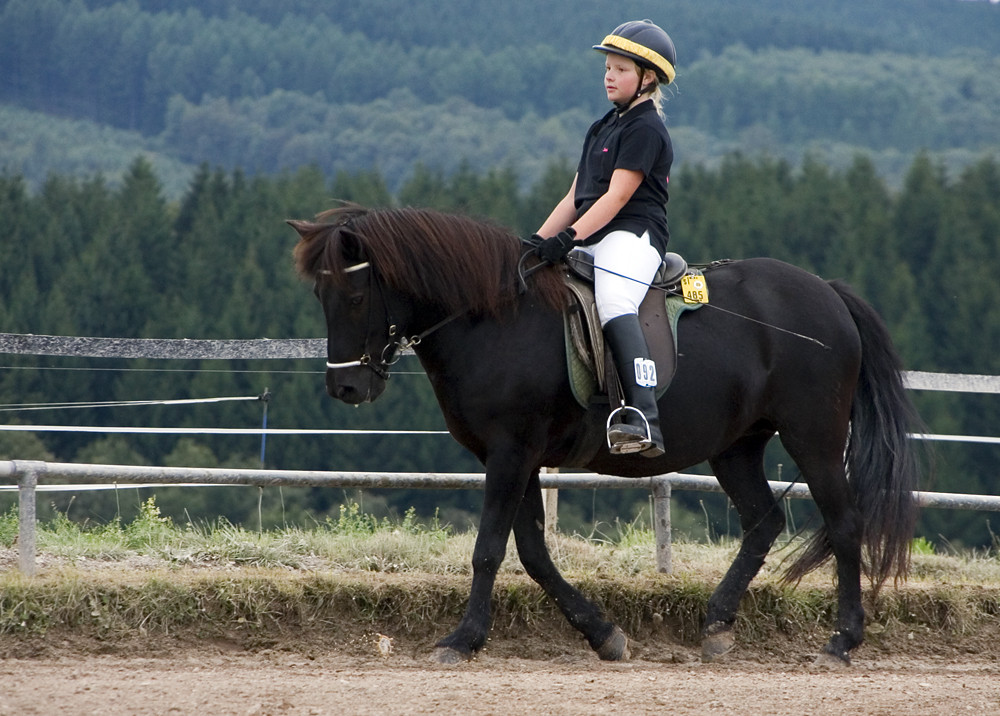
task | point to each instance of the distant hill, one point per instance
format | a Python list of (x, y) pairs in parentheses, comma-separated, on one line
[(389, 85), (34, 144)]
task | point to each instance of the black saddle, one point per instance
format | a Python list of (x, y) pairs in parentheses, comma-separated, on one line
[(672, 268)]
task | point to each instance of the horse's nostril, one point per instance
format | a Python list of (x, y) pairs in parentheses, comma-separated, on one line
[(340, 392), (335, 389), (346, 393)]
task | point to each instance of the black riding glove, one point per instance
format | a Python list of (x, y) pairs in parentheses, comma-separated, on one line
[(554, 249)]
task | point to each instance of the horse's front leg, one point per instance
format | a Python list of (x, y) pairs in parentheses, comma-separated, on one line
[(506, 478), (605, 638)]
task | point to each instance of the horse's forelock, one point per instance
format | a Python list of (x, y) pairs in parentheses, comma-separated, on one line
[(319, 250), (311, 253)]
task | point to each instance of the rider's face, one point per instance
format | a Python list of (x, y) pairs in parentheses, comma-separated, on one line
[(621, 78)]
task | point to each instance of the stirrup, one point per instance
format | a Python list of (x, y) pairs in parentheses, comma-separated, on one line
[(631, 441)]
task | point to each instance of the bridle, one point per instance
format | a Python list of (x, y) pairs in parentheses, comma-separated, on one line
[(390, 353), (393, 350)]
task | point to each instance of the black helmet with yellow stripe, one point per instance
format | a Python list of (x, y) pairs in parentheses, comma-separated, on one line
[(647, 44)]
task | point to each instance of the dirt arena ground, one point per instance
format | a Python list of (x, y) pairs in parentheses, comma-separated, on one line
[(343, 666), (222, 678)]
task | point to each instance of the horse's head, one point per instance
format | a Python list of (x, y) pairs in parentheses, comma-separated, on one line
[(379, 272), (361, 338)]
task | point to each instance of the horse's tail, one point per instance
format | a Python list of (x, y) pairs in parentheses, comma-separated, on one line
[(882, 466)]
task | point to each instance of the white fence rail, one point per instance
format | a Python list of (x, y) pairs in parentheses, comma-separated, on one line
[(27, 474)]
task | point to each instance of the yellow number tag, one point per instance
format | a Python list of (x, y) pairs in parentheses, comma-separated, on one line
[(694, 288)]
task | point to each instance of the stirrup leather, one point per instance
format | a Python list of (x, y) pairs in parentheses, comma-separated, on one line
[(631, 441)]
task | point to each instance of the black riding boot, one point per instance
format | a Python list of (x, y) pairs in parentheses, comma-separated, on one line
[(634, 428)]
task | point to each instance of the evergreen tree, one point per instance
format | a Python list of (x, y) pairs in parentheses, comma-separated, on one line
[(81, 258), (919, 214), (426, 188), (366, 188), (553, 184)]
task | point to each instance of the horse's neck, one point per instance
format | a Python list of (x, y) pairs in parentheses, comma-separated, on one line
[(462, 341)]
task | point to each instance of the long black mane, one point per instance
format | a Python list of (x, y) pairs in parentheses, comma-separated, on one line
[(459, 263)]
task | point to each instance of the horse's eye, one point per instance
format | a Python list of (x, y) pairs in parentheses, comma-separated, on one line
[(357, 299)]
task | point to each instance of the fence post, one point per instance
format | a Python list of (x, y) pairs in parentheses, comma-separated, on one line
[(27, 481), (661, 523), (550, 498)]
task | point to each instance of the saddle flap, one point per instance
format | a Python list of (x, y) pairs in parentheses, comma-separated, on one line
[(584, 327), (585, 346)]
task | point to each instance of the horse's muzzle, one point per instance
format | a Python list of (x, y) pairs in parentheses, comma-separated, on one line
[(354, 386)]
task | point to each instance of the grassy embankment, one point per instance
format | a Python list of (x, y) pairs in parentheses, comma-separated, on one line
[(344, 581)]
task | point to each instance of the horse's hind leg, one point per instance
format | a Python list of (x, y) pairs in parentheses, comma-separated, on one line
[(843, 532), (740, 471), (605, 638)]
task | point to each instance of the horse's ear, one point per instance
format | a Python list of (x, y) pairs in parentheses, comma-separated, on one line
[(351, 247), (303, 227)]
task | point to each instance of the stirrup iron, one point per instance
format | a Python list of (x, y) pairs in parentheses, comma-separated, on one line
[(630, 443)]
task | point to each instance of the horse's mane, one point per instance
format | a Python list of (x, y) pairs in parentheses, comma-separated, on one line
[(459, 263)]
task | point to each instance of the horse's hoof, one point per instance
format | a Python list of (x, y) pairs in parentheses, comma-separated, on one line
[(831, 662), (615, 647), (717, 644), (447, 655)]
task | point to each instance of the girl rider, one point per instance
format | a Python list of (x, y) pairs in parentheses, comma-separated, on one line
[(616, 210)]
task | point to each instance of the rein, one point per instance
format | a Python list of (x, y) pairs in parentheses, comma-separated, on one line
[(522, 272)]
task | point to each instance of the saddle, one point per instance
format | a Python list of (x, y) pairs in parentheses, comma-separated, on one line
[(591, 374)]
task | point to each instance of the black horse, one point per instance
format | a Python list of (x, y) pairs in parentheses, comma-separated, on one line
[(777, 350)]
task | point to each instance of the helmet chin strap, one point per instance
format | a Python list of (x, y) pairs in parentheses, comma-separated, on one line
[(623, 107)]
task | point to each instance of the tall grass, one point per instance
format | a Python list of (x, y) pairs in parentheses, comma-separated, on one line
[(356, 540)]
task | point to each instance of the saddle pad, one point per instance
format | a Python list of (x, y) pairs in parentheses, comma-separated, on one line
[(585, 379)]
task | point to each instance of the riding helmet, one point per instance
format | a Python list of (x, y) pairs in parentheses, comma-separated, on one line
[(647, 44)]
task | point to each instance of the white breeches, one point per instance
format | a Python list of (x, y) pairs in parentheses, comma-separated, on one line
[(624, 266)]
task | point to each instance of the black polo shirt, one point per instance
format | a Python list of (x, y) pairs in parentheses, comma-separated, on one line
[(639, 141)]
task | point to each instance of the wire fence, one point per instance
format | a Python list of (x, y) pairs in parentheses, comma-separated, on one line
[(27, 473), (299, 348)]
